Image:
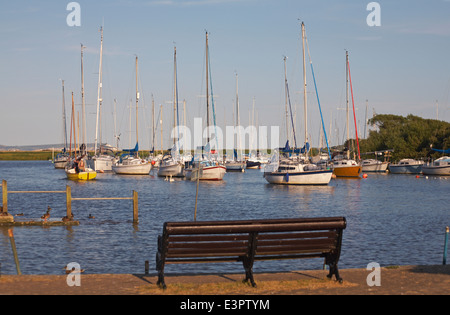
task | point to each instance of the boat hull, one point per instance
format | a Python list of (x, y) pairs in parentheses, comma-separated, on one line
[(175, 170), (211, 173), (101, 164), (253, 164), (347, 171), (61, 164), (235, 166), (436, 170), (316, 177), (88, 174), (382, 167), (140, 169), (405, 169)]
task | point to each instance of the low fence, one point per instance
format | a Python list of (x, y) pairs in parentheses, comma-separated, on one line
[(69, 199)]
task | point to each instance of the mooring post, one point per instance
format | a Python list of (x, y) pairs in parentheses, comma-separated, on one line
[(13, 246), (135, 208), (445, 245), (69, 201), (5, 197)]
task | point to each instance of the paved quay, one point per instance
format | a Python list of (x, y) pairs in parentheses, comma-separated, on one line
[(398, 280)]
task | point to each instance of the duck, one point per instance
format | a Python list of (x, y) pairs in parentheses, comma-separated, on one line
[(91, 216), (47, 214), (67, 219)]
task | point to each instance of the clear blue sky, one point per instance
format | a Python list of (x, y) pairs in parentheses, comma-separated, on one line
[(401, 67)]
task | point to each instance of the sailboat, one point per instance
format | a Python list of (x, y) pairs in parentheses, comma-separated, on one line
[(76, 168), (208, 161), (130, 163), (63, 157), (103, 159), (297, 170), (171, 165), (344, 166), (236, 164)]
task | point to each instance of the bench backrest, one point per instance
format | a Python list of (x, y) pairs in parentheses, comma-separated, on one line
[(258, 239)]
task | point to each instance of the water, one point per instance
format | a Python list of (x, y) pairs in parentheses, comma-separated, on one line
[(391, 219)]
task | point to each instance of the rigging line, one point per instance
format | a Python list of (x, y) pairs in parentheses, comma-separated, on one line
[(354, 114), (212, 104), (292, 119), (318, 101)]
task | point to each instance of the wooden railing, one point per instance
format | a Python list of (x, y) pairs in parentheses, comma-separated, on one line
[(69, 199)]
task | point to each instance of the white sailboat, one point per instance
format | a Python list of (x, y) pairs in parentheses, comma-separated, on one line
[(236, 164), (171, 165), (103, 159), (297, 170), (208, 161), (130, 163)]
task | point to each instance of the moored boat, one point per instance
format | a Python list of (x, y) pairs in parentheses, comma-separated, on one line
[(406, 166), (440, 166), (372, 165)]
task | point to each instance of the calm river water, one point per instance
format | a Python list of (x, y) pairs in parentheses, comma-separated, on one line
[(391, 219)]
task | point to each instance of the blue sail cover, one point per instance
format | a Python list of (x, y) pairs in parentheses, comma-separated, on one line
[(442, 151), (130, 151), (287, 149)]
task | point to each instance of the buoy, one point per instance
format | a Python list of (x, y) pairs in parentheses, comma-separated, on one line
[(417, 176), (365, 176)]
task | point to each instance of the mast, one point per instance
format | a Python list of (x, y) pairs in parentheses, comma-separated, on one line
[(347, 108), (304, 90), (238, 120), (207, 89), (153, 125), (99, 96), (137, 101), (286, 98), (354, 111), (64, 116), (175, 95), (83, 105)]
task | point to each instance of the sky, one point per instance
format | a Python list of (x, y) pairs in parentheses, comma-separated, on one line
[(400, 67)]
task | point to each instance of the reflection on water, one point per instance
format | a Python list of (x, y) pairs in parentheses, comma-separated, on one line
[(391, 219)]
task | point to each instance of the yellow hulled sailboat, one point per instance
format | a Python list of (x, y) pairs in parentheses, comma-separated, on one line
[(346, 167)]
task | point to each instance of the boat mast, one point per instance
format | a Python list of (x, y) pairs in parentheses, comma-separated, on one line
[(207, 89), (347, 109), (238, 120), (64, 116), (175, 94), (137, 101), (83, 104), (286, 98), (304, 90), (99, 97)]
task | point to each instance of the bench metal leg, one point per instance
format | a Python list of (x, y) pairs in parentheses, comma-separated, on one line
[(248, 266), (160, 268), (334, 271)]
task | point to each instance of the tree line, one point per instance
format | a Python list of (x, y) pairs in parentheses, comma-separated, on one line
[(409, 137)]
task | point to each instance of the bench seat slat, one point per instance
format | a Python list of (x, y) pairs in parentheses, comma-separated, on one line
[(208, 238), (212, 246)]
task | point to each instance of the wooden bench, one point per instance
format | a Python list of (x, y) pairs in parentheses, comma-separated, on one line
[(250, 240)]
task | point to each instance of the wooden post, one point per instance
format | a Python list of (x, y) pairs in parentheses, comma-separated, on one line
[(69, 201), (135, 207), (5, 197), (13, 246)]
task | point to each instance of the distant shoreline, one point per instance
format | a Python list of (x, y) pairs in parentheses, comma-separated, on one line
[(25, 155)]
